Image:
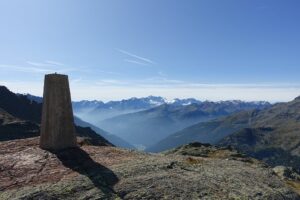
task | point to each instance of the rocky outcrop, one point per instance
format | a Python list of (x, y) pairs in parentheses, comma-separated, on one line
[(105, 172), (286, 173), (14, 128), (20, 106)]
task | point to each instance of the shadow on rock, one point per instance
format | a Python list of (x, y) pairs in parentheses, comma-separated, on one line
[(78, 160)]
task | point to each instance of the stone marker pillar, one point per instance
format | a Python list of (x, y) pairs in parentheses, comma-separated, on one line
[(57, 128)]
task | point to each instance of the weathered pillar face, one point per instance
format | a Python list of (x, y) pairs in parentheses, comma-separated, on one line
[(57, 128)]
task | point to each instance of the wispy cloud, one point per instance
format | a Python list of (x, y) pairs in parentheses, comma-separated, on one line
[(160, 80), (25, 69), (161, 74), (136, 62), (53, 66), (50, 66), (54, 63), (77, 80), (65, 70), (111, 82), (138, 59), (120, 89), (34, 69), (47, 63), (39, 64), (106, 72)]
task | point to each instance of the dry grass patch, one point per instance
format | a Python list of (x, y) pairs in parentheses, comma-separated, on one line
[(295, 185)]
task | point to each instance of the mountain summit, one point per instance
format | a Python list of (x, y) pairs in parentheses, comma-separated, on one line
[(104, 172)]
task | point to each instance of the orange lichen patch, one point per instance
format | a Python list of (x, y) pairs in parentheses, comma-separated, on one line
[(18, 145), (194, 161), (108, 156), (220, 154)]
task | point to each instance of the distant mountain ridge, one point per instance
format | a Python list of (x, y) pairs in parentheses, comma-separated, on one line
[(95, 111), (150, 126), (135, 103), (206, 132), (145, 121), (271, 134)]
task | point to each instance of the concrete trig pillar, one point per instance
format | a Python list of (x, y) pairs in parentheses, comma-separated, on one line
[(57, 128)]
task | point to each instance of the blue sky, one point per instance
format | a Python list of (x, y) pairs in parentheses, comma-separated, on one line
[(113, 49)]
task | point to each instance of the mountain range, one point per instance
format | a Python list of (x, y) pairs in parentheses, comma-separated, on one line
[(259, 129), (98, 170), (143, 122), (271, 134), (147, 127), (207, 132), (96, 110)]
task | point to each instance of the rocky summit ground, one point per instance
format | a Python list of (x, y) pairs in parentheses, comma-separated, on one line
[(193, 171)]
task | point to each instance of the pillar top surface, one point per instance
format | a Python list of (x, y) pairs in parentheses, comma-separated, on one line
[(55, 75)]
